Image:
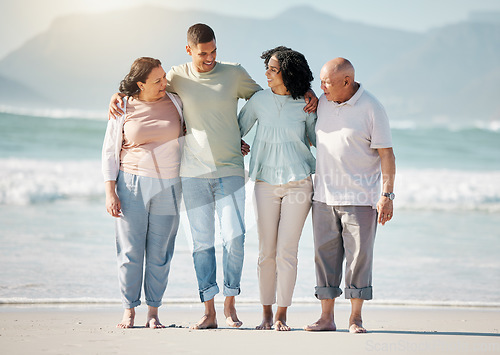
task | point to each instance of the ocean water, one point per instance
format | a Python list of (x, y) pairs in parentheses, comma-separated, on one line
[(57, 241)]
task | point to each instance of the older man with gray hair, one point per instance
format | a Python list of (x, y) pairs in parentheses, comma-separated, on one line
[(354, 157)]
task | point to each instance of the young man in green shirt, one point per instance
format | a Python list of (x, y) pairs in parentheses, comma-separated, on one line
[(212, 169)]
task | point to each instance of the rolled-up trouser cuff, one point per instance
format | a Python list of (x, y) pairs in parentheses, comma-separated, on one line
[(365, 293), (131, 305), (153, 303), (228, 291), (327, 293), (209, 293)]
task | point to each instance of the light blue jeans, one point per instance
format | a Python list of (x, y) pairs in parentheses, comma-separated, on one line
[(147, 228), (204, 197)]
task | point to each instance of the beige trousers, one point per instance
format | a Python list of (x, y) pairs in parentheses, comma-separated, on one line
[(281, 212)]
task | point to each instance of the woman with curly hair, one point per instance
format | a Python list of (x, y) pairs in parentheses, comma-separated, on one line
[(281, 164)]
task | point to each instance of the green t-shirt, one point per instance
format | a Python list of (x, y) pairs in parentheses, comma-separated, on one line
[(212, 146)]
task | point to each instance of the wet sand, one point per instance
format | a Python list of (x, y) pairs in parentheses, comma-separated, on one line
[(88, 329)]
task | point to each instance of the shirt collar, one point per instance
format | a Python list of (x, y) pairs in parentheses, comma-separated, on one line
[(352, 101), (198, 74)]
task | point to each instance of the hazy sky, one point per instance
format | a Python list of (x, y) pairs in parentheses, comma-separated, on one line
[(22, 19)]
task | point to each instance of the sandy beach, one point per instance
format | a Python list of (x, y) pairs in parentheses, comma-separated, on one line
[(84, 329)]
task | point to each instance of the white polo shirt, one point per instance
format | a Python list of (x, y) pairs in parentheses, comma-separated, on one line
[(348, 134)]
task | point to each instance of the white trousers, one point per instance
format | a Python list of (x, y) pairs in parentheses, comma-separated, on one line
[(281, 212)]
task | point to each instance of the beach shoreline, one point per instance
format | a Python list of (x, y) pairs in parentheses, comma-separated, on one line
[(90, 329)]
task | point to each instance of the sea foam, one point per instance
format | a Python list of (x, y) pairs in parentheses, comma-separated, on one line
[(29, 181), (56, 113), (443, 189)]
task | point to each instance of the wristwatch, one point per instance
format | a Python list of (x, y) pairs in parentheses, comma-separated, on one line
[(389, 195)]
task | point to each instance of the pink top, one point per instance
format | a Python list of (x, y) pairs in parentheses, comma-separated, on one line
[(151, 139)]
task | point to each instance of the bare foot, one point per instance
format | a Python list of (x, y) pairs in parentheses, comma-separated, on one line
[(230, 313), (154, 323), (265, 325), (233, 321), (267, 318), (280, 325), (356, 325), (128, 319), (208, 321), (321, 325), (280, 320)]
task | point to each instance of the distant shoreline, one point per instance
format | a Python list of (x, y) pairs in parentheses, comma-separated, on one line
[(84, 302)]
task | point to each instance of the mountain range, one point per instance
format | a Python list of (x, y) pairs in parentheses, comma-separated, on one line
[(448, 73)]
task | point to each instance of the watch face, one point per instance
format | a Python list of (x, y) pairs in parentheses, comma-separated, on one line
[(389, 195)]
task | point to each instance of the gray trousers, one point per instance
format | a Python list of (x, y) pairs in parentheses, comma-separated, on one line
[(343, 232)]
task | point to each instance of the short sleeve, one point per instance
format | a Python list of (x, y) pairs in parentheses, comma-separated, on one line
[(381, 130), (246, 85), (171, 81), (311, 127), (247, 117)]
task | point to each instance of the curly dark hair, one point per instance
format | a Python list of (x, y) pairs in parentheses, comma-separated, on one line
[(297, 75), (139, 71)]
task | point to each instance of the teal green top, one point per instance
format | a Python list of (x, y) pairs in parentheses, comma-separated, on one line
[(280, 152)]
